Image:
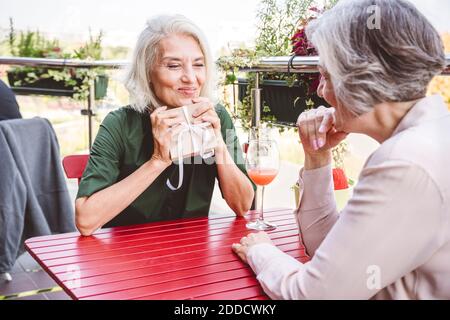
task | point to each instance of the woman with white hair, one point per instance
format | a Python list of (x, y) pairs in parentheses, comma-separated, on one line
[(392, 240), (125, 179)]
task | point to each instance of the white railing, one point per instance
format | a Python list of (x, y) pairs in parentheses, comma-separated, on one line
[(274, 64), (297, 64)]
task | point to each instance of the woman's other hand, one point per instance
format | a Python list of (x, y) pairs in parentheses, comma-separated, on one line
[(241, 249), (163, 125), (205, 112), (317, 131)]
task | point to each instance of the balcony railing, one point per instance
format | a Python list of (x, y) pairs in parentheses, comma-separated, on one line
[(273, 64), (65, 63)]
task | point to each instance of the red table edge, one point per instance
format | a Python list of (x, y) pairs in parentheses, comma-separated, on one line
[(67, 290)]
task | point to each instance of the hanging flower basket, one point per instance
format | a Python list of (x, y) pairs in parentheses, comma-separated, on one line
[(284, 102), (68, 81), (27, 82), (38, 82), (101, 86)]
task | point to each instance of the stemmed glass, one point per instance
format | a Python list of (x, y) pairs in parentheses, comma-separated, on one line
[(262, 163)]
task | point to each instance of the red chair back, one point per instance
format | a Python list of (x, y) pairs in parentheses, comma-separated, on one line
[(74, 165)]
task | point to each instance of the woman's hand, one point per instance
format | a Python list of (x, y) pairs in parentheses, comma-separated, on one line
[(317, 131), (241, 249), (163, 124), (205, 112)]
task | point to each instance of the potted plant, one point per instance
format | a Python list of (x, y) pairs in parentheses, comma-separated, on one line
[(342, 185), (284, 95), (72, 82)]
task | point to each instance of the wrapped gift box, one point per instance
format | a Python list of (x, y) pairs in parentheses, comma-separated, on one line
[(192, 139)]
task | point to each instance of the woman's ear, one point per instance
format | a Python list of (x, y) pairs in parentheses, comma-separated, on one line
[(321, 86)]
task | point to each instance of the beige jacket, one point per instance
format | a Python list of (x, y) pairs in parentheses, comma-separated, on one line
[(392, 240)]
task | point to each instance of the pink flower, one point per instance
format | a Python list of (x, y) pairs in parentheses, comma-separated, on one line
[(300, 44)]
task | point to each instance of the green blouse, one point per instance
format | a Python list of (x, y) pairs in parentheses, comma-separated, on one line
[(124, 142)]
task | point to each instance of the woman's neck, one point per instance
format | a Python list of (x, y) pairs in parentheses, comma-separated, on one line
[(381, 123)]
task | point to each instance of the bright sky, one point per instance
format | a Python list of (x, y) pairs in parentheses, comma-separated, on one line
[(222, 21)]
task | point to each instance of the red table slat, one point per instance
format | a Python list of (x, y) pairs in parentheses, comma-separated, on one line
[(142, 244), (180, 259)]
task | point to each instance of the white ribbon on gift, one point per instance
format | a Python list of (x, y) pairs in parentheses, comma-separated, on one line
[(192, 129)]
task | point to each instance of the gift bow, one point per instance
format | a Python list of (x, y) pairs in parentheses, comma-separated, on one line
[(192, 129)]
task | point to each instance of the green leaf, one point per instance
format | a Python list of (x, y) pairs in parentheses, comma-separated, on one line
[(32, 75), (230, 78)]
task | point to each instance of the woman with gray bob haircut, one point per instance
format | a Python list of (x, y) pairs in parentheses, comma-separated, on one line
[(392, 240), (128, 177)]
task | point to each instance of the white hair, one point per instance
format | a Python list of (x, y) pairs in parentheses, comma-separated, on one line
[(137, 80), (392, 60)]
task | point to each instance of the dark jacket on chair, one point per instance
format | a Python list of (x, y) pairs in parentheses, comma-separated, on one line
[(34, 199), (9, 109)]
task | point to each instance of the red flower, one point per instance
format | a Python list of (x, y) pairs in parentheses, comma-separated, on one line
[(300, 44)]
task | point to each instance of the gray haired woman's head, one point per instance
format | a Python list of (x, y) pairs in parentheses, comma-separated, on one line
[(377, 51), (138, 80)]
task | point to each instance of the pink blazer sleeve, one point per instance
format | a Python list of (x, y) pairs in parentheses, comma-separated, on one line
[(393, 223)]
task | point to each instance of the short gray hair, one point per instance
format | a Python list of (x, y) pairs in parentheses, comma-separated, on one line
[(137, 80), (392, 63)]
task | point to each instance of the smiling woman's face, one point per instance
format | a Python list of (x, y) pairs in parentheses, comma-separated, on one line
[(179, 72)]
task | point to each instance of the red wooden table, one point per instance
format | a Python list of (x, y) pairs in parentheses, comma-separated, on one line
[(181, 259)]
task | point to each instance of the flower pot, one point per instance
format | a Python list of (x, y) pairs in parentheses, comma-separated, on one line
[(45, 86), (101, 86), (51, 87), (342, 190), (282, 100), (339, 179)]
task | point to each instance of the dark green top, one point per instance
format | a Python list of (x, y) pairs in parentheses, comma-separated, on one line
[(124, 142)]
